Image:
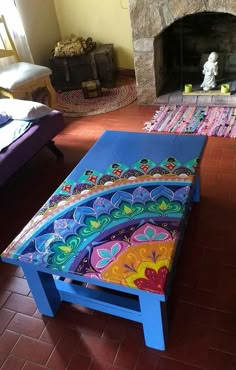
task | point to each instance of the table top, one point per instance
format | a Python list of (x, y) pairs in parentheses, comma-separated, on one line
[(118, 216)]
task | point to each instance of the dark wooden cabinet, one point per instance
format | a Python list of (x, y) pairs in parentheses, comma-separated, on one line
[(70, 72)]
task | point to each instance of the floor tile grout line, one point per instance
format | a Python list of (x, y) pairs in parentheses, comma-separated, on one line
[(5, 361), (207, 307), (31, 338), (53, 349), (185, 363)]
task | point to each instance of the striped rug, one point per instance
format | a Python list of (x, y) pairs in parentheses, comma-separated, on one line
[(211, 121)]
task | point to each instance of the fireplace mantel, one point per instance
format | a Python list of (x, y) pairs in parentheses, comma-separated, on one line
[(149, 18)]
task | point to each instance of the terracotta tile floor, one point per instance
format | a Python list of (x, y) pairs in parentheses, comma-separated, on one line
[(202, 307)]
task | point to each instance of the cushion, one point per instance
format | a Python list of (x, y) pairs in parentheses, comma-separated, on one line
[(4, 118), (16, 75), (23, 109)]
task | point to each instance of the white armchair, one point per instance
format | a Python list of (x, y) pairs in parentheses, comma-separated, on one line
[(20, 79)]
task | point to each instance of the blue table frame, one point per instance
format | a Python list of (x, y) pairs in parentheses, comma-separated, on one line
[(116, 222)]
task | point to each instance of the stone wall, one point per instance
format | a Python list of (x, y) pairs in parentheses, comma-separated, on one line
[(148, 19)]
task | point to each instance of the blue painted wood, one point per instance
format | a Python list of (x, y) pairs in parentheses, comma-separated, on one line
[(154, 321), (99, 300), (149, 308), (196, 190), (44, 290), (88, 280), (141, 145)]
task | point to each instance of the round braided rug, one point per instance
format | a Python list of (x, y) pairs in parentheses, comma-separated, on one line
[(73, 104)]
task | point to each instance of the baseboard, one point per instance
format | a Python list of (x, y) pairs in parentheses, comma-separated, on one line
[(125, 72)]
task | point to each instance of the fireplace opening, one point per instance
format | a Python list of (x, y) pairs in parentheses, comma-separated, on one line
[(182, 48)]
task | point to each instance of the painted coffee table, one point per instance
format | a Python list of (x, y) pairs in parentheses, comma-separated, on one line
[(116, 222)]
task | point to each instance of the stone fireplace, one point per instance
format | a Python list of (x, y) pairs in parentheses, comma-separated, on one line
[(171, 38)]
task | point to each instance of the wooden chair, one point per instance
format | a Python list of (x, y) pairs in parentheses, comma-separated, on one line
[(19, 79)]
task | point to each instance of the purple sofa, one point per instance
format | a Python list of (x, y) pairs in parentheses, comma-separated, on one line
[(24, 148)]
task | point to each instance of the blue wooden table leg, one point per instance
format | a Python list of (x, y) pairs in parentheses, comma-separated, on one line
[(196, 190), (154, 320), (44, 290)]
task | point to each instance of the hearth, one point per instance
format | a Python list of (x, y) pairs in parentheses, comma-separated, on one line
[(187, 44), (172, 39)]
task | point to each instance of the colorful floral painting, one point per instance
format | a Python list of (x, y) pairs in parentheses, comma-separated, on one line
[(122, 226)]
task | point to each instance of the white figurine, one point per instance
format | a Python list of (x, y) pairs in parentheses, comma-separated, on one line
[(210, 70)]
